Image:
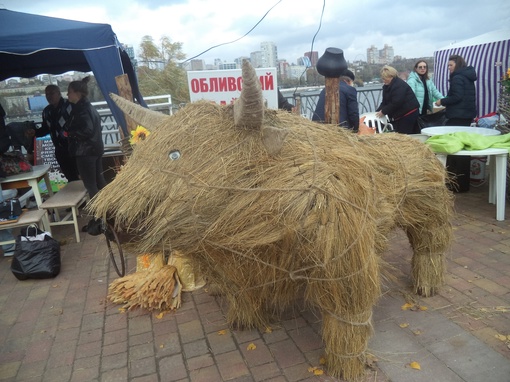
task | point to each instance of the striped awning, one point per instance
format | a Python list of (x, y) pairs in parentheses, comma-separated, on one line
[(489, 54)]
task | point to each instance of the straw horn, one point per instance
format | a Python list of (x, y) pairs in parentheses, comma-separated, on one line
[(141, 115), (249, 107)]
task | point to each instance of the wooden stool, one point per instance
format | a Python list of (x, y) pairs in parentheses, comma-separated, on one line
[(72, 195)]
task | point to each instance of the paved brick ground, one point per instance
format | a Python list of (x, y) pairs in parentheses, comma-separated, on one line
[(63, 329)]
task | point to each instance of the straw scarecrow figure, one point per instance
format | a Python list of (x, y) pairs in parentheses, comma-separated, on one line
[(269, 205)]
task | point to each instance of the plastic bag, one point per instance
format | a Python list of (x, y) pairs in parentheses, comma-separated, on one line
[(434, 119), (36, 255), (190, 278), (488, 122), (13, 163)]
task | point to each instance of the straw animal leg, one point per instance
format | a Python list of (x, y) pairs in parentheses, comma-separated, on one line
[(428, 263), (246, 310), (346, 297)]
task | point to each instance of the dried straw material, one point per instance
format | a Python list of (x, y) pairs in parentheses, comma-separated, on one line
[(155, 289), (265, 224)]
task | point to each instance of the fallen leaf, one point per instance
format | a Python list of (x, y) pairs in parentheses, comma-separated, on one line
[(160, 316), (222, 332), (404, 325), (415, 365), (423, 307), (417, 332), (161, 346), (371, 360), (322, 361), (251, 346), (406, 306), (311, 369), (269, 330), (500, 337), (318, 372), (122, 310)]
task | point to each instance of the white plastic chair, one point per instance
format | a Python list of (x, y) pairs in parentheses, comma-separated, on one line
[(381, 124)]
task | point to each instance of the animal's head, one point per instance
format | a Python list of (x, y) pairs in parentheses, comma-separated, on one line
[(189, 163)]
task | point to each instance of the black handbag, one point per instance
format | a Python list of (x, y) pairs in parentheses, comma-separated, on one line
[(435, 119), (36, 255), (10, 209)]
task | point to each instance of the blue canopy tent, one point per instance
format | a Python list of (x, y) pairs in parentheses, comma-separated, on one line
[(33, 44)]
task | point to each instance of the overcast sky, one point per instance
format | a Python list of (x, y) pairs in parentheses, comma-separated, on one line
[(413, 28)]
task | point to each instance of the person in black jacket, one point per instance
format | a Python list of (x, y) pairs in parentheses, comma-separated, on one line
[(83, 128), (348, 112), (284, 104), (399, 103), (5, 140), (460, 102), (54, 117)]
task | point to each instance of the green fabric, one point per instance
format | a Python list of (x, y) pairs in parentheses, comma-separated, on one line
[(453, 142)]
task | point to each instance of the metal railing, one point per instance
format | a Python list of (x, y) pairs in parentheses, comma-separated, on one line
[(111, 131), (369, 98)]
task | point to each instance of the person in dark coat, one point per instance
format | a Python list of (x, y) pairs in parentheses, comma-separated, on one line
[(5, 140), (349, 112), (85, 137), (460, 102), (54, 117), (283, 104), (399, 102)]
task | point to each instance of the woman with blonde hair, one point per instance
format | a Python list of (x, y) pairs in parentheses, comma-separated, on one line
[(399, 102)]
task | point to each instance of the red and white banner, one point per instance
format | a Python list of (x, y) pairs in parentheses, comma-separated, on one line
[(224, 86)]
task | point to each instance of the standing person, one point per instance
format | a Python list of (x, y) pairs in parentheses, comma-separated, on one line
[(349, 112), (85, 137), (5, 140), (424, 89), (399, 102), (460, 102), (54, 117), (283, 103)]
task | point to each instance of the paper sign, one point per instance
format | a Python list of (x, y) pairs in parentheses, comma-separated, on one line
[(224, 86), (44, 153)]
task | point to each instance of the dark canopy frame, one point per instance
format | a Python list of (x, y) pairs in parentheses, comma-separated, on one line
[(33, 44)]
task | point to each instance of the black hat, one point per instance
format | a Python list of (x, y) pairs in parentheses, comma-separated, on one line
[(348, 73)]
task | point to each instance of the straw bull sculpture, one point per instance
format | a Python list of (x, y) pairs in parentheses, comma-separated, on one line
[(269, 205)]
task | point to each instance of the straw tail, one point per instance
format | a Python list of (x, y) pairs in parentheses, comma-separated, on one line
[(141, 115), (249, 107)]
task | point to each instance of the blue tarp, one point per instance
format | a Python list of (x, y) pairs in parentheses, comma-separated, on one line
[(33, 44)]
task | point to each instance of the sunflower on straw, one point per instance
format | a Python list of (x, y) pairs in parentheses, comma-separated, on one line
[(139, 134)]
